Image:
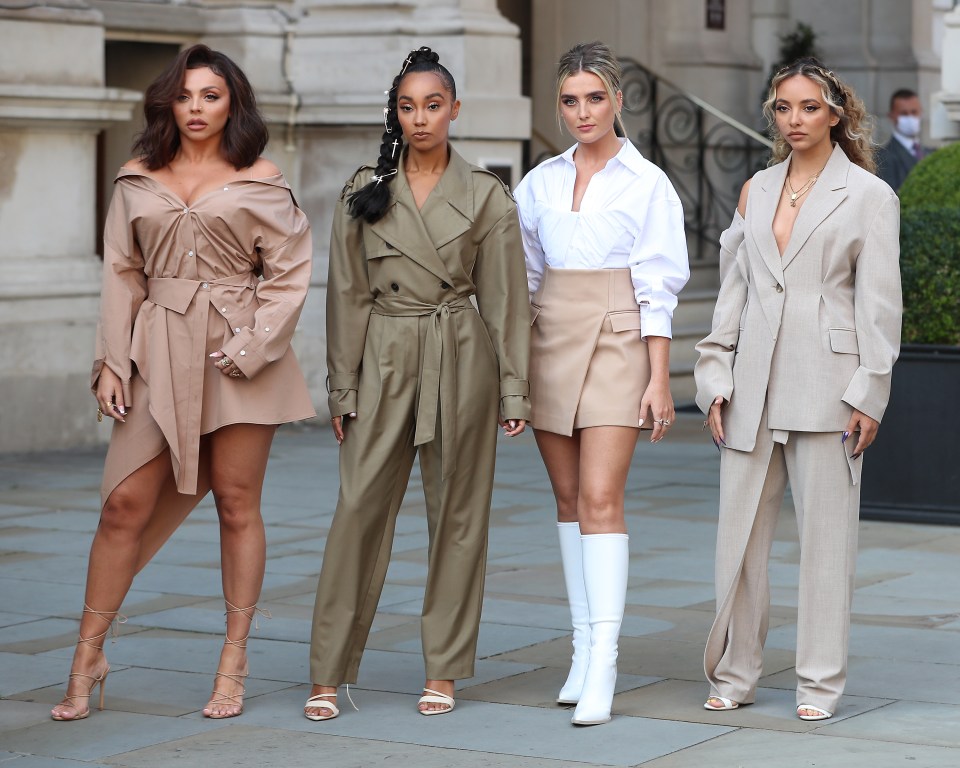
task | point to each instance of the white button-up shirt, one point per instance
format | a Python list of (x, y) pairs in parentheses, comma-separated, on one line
[(630, 216)]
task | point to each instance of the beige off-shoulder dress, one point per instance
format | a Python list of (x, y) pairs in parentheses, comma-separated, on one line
[(229, 272)]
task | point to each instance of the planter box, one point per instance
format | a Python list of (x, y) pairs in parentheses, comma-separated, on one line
[(912, 471)]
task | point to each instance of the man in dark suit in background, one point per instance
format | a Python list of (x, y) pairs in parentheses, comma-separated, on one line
[(896, 158)]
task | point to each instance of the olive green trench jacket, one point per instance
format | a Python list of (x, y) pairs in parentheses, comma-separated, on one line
[(463, 246)]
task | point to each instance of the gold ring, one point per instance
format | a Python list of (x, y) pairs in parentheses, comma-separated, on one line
[(99, 415), (225, 362), (235, 374)]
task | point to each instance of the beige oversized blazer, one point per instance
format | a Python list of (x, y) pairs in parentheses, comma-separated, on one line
[(814, 332)]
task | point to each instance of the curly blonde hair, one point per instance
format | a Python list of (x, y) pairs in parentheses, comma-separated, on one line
[(852, 133)]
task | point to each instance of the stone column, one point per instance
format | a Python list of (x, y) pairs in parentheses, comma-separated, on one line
[(945, 119), (52, 106)]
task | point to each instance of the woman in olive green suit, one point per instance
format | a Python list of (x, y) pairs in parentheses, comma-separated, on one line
[(415, 367)]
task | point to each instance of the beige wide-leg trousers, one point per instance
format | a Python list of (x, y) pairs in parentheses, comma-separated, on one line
[(375, 462), (825, 483)]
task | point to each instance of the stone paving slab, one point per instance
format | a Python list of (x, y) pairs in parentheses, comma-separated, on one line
[(253, 747), (748, 748), (493, 728)]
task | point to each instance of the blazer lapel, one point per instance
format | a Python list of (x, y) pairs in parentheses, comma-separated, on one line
[(403, 228), (760, 218), (828, 192), (448, 213)]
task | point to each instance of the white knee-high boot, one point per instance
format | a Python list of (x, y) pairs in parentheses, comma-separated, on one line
[(571, 556), (606, 560)]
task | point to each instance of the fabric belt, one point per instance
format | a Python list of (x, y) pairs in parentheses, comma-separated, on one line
[(177, 401), (438, 371)]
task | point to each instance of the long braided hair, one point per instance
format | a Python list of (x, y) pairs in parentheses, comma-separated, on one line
[(370, 201), (853, 131)]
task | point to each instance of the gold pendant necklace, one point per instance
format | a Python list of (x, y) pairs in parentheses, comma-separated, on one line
[(797, 194)]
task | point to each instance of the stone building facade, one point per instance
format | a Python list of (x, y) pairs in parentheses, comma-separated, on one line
[(71, 72)]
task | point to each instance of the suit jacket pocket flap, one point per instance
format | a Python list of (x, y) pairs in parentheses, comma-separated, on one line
[(382, 251), (844, 340), (628, 320)]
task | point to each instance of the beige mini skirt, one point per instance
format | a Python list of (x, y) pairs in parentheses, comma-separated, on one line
[(589, 366)]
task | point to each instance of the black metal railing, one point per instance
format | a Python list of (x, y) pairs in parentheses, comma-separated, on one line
[(706, 154)]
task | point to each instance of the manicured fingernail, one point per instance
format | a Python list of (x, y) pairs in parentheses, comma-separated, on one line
[(123, 411), (845, 436), (856, 456), (724, 442), (213, 354), (717, 444), (641, 423)]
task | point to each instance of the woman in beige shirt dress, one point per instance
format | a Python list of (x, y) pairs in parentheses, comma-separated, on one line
[(795, 377), (606, 257), (206, 265), (416, 369)]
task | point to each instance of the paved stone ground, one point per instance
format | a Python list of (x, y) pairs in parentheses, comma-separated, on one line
[(902, 706)]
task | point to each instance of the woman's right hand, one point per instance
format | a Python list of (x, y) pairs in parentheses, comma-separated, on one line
[(110, 394), (715, 420), (338, 426)]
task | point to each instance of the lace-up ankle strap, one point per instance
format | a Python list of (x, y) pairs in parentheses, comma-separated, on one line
[(251, 613), (113, 619)]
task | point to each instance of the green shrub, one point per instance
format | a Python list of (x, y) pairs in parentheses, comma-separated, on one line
[(930, 249)]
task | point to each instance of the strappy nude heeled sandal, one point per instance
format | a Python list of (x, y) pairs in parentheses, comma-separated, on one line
[(72, 700), (219, 698)]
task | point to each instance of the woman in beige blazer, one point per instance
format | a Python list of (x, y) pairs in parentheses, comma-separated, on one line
[(794, 378), (416, 368), (206, 266)]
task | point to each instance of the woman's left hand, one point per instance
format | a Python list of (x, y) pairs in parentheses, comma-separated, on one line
[(860, 422), (658, 401), (225, 365), (512, 427)]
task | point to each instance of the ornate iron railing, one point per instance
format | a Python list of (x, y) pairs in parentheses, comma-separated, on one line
[(706, 154)]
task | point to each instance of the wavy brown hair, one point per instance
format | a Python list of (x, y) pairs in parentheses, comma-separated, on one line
[(245, 134), (854, 130)]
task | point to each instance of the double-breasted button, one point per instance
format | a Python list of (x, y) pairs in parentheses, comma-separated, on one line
[(445, 285), (394, 287), (204, 285), (189, 253), (243, 352), (779, 288)]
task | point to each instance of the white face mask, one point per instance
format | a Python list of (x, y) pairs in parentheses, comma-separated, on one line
[(908, 125)]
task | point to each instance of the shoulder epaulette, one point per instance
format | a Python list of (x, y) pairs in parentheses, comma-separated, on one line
[(348, 186), (506, 189)]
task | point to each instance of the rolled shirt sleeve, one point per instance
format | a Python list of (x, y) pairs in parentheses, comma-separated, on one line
[(658, 262)]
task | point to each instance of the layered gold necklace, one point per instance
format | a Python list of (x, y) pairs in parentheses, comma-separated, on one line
[(798, 193)]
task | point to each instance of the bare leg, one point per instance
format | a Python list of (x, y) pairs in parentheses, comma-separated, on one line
[(561, 456), (113, 562), (171, 509), (238, 463), (605, 455)]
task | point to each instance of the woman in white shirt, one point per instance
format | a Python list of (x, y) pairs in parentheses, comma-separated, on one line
[(606, 256)]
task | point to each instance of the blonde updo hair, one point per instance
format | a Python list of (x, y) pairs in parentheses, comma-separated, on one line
[(853, 131), (597, 59)]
